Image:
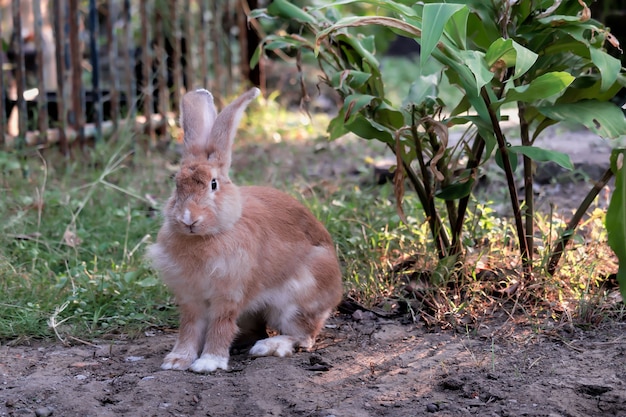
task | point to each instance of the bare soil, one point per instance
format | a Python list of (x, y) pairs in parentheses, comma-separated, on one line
[(369, 367)]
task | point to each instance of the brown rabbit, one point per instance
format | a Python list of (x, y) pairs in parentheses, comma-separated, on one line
[(238, 259)]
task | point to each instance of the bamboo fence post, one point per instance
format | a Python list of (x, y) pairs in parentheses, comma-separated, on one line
[(42, 102), (160, 33), (177, 55), (244, 64), (114, 79), (189, 56), (59, 44), (129, 61), (228, 55), (20, 75), (215, 36), (204, 30), (94, 56), (76, 71), (146, 60)]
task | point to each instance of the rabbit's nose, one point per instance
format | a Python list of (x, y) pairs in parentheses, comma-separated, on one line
[(188, 220)]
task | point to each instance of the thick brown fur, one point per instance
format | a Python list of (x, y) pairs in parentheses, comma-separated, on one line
[(238, 259)]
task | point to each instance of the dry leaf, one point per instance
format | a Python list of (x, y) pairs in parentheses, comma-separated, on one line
[(586, 13), (71, 239), (613, 41), (441, 131)]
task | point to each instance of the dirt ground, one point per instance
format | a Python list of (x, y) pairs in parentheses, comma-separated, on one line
[(369, 367)]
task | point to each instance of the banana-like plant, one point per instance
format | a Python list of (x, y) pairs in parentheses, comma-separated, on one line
[(548, 59)]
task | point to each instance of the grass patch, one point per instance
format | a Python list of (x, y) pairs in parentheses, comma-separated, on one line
[(74, 234)]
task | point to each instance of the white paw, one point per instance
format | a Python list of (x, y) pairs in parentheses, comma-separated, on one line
[(177, 361), (209, 363), (280, 346)]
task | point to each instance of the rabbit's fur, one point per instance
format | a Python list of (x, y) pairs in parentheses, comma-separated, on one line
[(238, 259)]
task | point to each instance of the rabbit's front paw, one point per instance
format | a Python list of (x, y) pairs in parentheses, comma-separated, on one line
[(177, 361), (280, 346), (209, 363)]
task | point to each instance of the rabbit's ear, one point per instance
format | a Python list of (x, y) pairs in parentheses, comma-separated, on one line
[(197, 116), (225, 127)]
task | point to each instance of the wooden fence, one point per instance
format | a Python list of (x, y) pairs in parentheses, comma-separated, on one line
[(76, 70)]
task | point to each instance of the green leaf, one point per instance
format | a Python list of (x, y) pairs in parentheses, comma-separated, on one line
[(512, 54), (149, 282), (512, 159), (388, 116), (434, 18), (455, 191), (354, 79), (524, 60), (501, 49), (369, 129), (456, 28), (368, 60), (337, 126), (354, 103), (608, 66), (544, 155), (615, 221), (542, 87), (289, 11), (475, 61), (423, 87), (603, 118)]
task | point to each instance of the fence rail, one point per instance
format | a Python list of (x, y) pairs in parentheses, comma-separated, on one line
[(76, 70)]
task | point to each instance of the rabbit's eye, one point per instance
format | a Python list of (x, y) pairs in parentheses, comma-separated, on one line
[(213, 184)]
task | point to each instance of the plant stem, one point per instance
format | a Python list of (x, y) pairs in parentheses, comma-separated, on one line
[(567, 234), (442, 242), (478, 147), (510, 179), (529, 212)]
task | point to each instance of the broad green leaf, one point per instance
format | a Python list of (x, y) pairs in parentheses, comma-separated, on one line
[(434, 18), (512, 159), (354, 103), (337, 126), (455, 191), (589, 88), (369, 129), (524, 61), (615, 221), (463, 76), (352, 78), (543, 155), (389, 116), (456, 28), (608, 66), (286, 10), (369, 61), (603, 118), (542, 87), (423, 87), (501, 49), (475, 61), (511, 54)]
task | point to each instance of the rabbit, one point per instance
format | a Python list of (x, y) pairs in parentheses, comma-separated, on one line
[(238, 259)]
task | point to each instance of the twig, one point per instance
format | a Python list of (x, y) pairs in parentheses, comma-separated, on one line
[(575, 220)]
